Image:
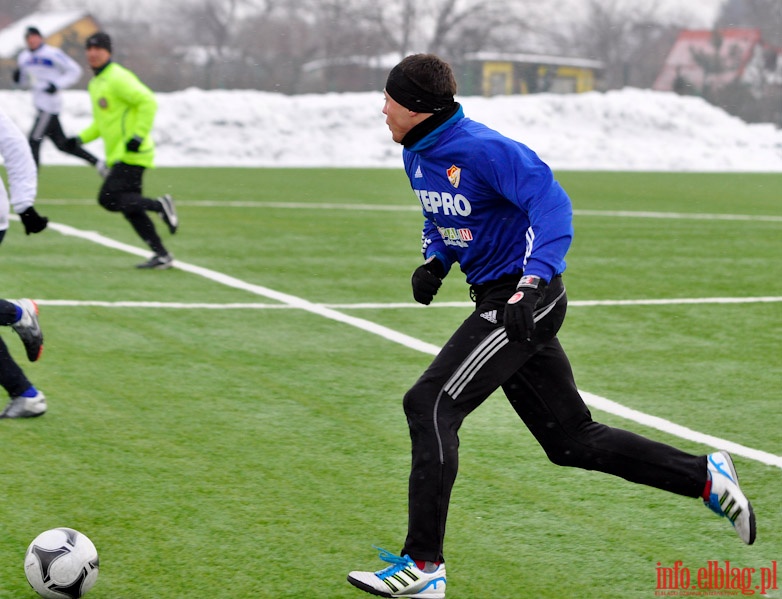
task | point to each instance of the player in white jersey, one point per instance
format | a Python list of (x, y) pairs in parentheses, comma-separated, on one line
[(22, 315), (46, 70)]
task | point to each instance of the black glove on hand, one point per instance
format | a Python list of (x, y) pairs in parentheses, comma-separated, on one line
[(32, 221), (134, 144), (520, 309), (427, 279), (51, 89), (16, 75)]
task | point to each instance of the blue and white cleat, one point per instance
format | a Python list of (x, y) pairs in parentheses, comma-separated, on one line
[(401, 579), (726, 498)]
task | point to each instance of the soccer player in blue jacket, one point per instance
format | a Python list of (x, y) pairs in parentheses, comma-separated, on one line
[(492, 206)]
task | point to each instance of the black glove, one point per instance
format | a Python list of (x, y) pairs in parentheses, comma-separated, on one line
[(72, 143), (520, 309), (134, 144), (51, 89), (427, 279), (16, 75), (32, 221)]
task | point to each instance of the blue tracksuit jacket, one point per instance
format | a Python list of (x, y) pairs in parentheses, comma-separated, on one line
[(490, 203)]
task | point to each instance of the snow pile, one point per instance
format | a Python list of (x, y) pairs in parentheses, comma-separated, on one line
[(625, 130)]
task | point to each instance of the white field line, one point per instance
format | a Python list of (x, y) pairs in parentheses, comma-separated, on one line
[(229, 281), (397, 305), (250, 204), (412, 207), (679, 215), (595, 401)]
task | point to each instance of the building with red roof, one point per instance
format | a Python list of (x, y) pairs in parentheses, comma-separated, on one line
[(707, 60)]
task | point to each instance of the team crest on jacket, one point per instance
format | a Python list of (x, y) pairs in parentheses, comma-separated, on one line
[(454, 175), (103, 103)]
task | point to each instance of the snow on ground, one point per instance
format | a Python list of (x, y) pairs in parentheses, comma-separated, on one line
[(630, 129)]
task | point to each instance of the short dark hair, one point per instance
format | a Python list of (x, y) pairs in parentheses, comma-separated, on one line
[(32, 31), (431, 73)]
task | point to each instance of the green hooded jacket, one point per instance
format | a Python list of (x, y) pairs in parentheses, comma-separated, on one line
[(122, 108)]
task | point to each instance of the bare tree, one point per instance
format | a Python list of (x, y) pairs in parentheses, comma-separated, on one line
[(204, 35), (446, 27), (211, 23), (13, 10), (274, 45), (765, 15), (395, 25), (108, 14), (609, 33), (278, 45)]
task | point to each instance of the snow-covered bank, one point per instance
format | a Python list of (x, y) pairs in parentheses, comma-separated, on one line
[(623, 130)]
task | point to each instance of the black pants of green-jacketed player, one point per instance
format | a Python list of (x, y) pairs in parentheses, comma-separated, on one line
[(538, 381), (122, 192)]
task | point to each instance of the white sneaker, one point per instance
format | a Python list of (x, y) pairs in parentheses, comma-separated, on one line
[(25, 407), (28, 329), (169, 214), (401, 579), (726, 498)]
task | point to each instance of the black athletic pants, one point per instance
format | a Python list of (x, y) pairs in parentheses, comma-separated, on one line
[(48, 125), (12, 378), (121, 192), (538, 381)]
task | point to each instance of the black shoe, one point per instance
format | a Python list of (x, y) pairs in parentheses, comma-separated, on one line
[(28, 328), (169, 213), (158, 261)]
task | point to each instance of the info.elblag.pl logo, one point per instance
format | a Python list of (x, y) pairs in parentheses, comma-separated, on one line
[(715, 579)]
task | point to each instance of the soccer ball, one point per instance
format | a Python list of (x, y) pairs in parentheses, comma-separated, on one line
[(61, 563)]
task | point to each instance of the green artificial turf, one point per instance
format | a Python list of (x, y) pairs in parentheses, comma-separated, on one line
[(236, 451)]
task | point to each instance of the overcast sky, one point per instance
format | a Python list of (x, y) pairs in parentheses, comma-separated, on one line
[(692, 13), (705, 12)]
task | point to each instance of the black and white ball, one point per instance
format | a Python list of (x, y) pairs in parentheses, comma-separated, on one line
[(61, 563)]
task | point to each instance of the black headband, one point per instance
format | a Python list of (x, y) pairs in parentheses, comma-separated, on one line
[(412, 96)]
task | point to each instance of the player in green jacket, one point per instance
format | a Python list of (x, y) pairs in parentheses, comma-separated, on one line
[(123, 110)]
